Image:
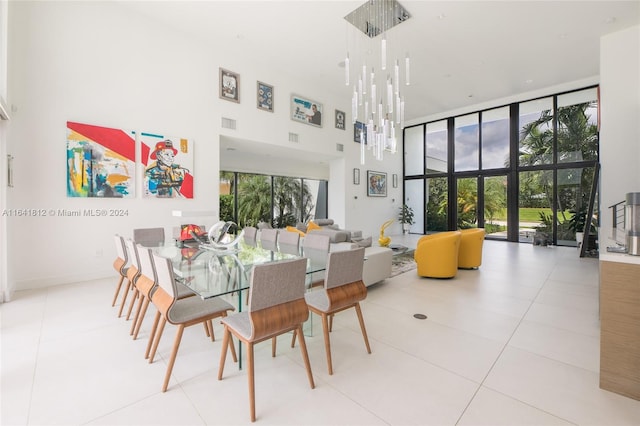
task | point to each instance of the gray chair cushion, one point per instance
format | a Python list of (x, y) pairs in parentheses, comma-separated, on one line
[(317, 299), (239, 322), (185, 310)]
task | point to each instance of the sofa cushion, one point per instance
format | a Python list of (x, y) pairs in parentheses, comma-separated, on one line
[(334, 236), (377, 265), (362, 242), (324, 222)]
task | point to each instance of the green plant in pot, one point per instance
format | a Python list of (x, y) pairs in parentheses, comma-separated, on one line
[(578, 222), (542, 235), (405, 217)]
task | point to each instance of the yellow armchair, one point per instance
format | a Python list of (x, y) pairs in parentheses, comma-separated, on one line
[(470, 252), (437, 254)]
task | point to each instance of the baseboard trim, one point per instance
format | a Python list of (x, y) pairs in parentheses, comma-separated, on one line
[(40, 283)]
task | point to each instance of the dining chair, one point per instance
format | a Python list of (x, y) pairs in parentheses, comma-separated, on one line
[(250, 234), (135, 280), (133, 271), (288, 242), (316, 248), (268, 239), (316, 241), (120, 264), (147, 284), (276, 306), (343, 289), (181, 312), (148, 237)]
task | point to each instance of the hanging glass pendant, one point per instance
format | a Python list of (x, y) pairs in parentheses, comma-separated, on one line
[(397, 77), (364, 79), (407, 70), (389, 95), (383, 53), (377, 99), (346, 70)]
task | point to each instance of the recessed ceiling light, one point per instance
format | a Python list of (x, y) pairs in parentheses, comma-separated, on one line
[(529, 81), (610, 20)]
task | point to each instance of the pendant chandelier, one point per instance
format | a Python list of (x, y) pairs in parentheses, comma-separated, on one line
[(373, 72)]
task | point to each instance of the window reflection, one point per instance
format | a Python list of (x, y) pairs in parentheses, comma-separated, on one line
[(466, 143), (437, 147), (495, 138), (414, 150)]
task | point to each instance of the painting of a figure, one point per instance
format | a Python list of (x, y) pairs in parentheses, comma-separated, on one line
[(100, 161), (168, 166), (377, 184)]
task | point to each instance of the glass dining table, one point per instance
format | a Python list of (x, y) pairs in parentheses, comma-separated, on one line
[(214, 272)]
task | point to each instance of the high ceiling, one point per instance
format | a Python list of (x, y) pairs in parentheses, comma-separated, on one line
[(462, 52)]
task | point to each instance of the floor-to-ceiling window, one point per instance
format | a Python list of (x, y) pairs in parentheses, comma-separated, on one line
[(280, 201), (515, 170)]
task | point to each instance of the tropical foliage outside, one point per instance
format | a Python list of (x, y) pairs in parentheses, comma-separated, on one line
[(576, 140), (293, 201)]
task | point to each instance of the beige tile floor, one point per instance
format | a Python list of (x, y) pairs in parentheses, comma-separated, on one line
[(513, 343)]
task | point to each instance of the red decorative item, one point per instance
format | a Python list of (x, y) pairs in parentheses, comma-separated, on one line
[(188, 232)]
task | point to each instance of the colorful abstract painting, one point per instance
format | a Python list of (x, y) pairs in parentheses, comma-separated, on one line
[(168, 166), (100, 161)]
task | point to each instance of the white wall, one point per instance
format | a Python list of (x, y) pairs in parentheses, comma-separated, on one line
[(517, 97), (101, 63), (5, 288), (620, 115)]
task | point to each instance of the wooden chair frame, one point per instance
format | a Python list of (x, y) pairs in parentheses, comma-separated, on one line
[(268, 323)]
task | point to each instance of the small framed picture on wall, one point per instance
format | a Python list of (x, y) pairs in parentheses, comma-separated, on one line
[(229, 85), (265, 96), (376, 184), (359, 132), (340, 120), (306, 111)]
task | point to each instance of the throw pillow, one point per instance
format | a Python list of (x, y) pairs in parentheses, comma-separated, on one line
[(312, 225), (294, 229)]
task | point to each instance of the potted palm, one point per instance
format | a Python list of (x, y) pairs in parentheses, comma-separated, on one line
[(405, 217)]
